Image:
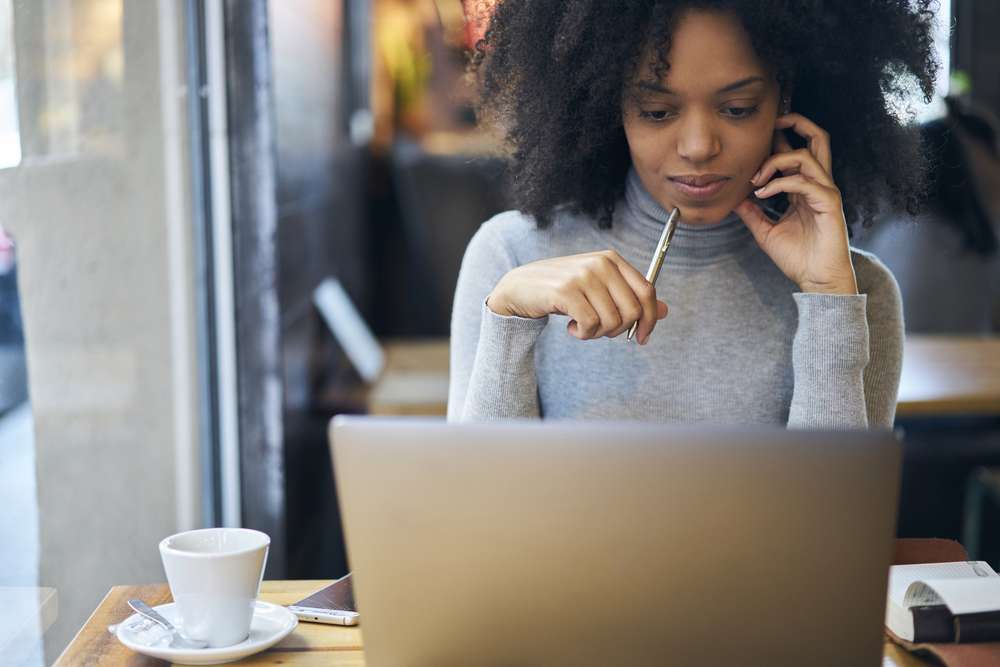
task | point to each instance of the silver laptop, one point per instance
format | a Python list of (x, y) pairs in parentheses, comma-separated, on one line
[(582, 543)]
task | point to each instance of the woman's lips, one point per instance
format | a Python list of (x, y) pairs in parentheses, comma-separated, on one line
[(700, 192)]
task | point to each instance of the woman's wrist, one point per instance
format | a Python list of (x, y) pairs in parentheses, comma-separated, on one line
[(845, 286), (838, 281)]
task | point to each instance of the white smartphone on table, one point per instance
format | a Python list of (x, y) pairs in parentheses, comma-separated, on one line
[(333, 604)]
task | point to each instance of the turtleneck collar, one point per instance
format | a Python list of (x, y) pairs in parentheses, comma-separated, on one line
[(638, 222)]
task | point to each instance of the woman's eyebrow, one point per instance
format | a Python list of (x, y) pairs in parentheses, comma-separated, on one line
[(657, 87)]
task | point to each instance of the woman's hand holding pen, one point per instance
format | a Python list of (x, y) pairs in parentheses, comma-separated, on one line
[(601, 293), (810, 243)]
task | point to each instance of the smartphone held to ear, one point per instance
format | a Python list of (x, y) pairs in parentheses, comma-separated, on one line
[(333, 604), (774, 207)]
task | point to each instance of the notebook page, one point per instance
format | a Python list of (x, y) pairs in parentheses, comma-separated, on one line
[(901, 576), (962, 596)]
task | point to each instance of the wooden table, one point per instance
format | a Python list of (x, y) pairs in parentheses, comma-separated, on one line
[(950, 376), (942, 376), (310, 644), (415, 380)]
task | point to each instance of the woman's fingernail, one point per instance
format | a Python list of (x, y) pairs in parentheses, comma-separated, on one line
[(760, 191), (756, 176)]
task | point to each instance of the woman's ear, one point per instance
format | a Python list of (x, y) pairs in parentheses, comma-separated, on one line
[(785, 101)]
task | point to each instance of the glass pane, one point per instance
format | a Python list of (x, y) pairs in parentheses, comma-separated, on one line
[(22, 619), (105, 461), (70, 71), (10, 141)]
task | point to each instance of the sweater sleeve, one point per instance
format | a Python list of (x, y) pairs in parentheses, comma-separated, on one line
[(847, 353), (886, 334), (492, 357)]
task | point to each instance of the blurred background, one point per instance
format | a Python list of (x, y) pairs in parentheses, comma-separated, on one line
[(223, 222)]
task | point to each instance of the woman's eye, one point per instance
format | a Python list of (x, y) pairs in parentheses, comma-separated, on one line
[(740, 112), (654, 115)]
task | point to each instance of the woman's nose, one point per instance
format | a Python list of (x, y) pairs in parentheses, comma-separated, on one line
[(697, 140)]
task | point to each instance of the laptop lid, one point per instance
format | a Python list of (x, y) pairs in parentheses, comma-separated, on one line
[(582, 543)]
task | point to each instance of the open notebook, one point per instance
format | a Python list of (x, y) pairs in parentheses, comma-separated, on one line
[(944, 602)]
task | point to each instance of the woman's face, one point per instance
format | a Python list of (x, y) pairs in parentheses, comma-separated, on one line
[(711, 118)]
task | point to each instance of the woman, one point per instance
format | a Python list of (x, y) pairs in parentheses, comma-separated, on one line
[(618, 112)]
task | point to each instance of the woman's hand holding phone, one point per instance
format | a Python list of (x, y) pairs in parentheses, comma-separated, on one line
[(809, 243), (601, 293)]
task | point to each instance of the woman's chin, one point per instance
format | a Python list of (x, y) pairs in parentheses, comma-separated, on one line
[(708, 213), (701, 216)]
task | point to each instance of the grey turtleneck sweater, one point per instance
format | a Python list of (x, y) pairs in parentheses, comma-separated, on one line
[(740, 345)]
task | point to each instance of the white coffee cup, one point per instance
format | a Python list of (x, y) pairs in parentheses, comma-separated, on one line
[(214, 576)]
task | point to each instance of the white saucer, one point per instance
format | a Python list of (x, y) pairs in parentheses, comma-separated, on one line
[(271, 623)]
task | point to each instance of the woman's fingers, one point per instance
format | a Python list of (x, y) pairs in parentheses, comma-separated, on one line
[(644, 293), (584, 320), (779, 143), (794, 162), (597, 293), (818, 138), (820, 198), (607, 297), (629, 307)]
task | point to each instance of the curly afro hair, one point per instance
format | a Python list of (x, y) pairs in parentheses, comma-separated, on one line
[(552, 75)]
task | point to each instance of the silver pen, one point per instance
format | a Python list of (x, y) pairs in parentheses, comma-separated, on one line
[(661, 251)]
